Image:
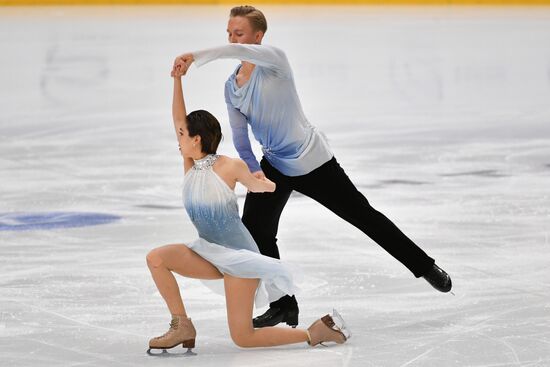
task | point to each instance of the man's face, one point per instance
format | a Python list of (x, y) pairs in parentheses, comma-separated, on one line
[(239, 30)]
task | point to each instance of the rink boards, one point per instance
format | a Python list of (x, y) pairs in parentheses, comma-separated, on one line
[(281, 2)]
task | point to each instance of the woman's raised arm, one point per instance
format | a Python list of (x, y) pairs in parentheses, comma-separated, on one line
[(179, 115)]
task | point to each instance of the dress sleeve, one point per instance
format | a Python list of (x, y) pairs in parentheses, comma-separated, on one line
[(263, 55), (241, 141)]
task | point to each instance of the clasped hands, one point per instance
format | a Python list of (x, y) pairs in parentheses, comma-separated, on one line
[(181, 65)]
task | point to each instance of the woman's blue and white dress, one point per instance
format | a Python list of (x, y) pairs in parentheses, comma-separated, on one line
[(223, 239)]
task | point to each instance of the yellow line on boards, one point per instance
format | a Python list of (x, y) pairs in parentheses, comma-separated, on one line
[(282, 2)]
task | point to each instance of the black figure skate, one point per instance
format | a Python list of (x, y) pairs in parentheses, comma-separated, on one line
[(283, 310), (439, 279)]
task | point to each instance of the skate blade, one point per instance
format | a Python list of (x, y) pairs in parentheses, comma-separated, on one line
[(340, 324), (166, 354)]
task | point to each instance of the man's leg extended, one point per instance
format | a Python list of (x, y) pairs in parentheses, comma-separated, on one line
[(330, 186)]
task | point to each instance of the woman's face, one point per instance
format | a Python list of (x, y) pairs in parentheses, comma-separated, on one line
[(239, 30), (189, 146)]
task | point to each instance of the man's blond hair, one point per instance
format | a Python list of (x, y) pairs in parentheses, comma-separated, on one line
[(255, 17)]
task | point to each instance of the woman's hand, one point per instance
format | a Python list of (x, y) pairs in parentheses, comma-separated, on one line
[(256, 182), (259, 175), (178, 71), (182, 64)]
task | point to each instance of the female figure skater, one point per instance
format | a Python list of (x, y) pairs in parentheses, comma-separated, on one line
[(225, 249), (261, 93)]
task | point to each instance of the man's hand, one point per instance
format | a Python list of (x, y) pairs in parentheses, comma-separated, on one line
[(182, 63)]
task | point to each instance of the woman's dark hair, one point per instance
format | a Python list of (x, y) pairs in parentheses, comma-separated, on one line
[(204, 124)]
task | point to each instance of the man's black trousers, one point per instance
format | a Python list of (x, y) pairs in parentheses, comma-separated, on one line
[(330, 186)]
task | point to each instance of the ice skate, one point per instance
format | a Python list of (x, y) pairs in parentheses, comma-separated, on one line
[(283, 310), (328, 329), (181, 332), (438, 279)]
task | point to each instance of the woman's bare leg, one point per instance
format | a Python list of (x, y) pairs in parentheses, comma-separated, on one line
[(239, 294), (162, 261)]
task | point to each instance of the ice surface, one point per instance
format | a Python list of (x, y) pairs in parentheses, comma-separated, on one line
[(441, 116)]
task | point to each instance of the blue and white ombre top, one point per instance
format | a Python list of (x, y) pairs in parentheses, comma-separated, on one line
[(223, 239), (269, 103)]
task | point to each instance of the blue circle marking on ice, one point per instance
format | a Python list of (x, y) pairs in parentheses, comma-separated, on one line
[(52, 220)]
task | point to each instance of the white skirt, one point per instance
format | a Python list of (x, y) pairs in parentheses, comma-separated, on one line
[(276, 277)]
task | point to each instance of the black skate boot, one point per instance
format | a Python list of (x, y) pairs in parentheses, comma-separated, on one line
[(439, 279), (284, 309)]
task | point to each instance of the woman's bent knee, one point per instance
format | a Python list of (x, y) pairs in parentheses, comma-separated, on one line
[(154, 259), (241, 335), (243, 340), (166, 255)]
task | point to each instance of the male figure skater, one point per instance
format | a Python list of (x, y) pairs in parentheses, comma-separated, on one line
[(261, 93)]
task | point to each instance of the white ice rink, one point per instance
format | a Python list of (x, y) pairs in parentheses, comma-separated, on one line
[(441, 116)]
